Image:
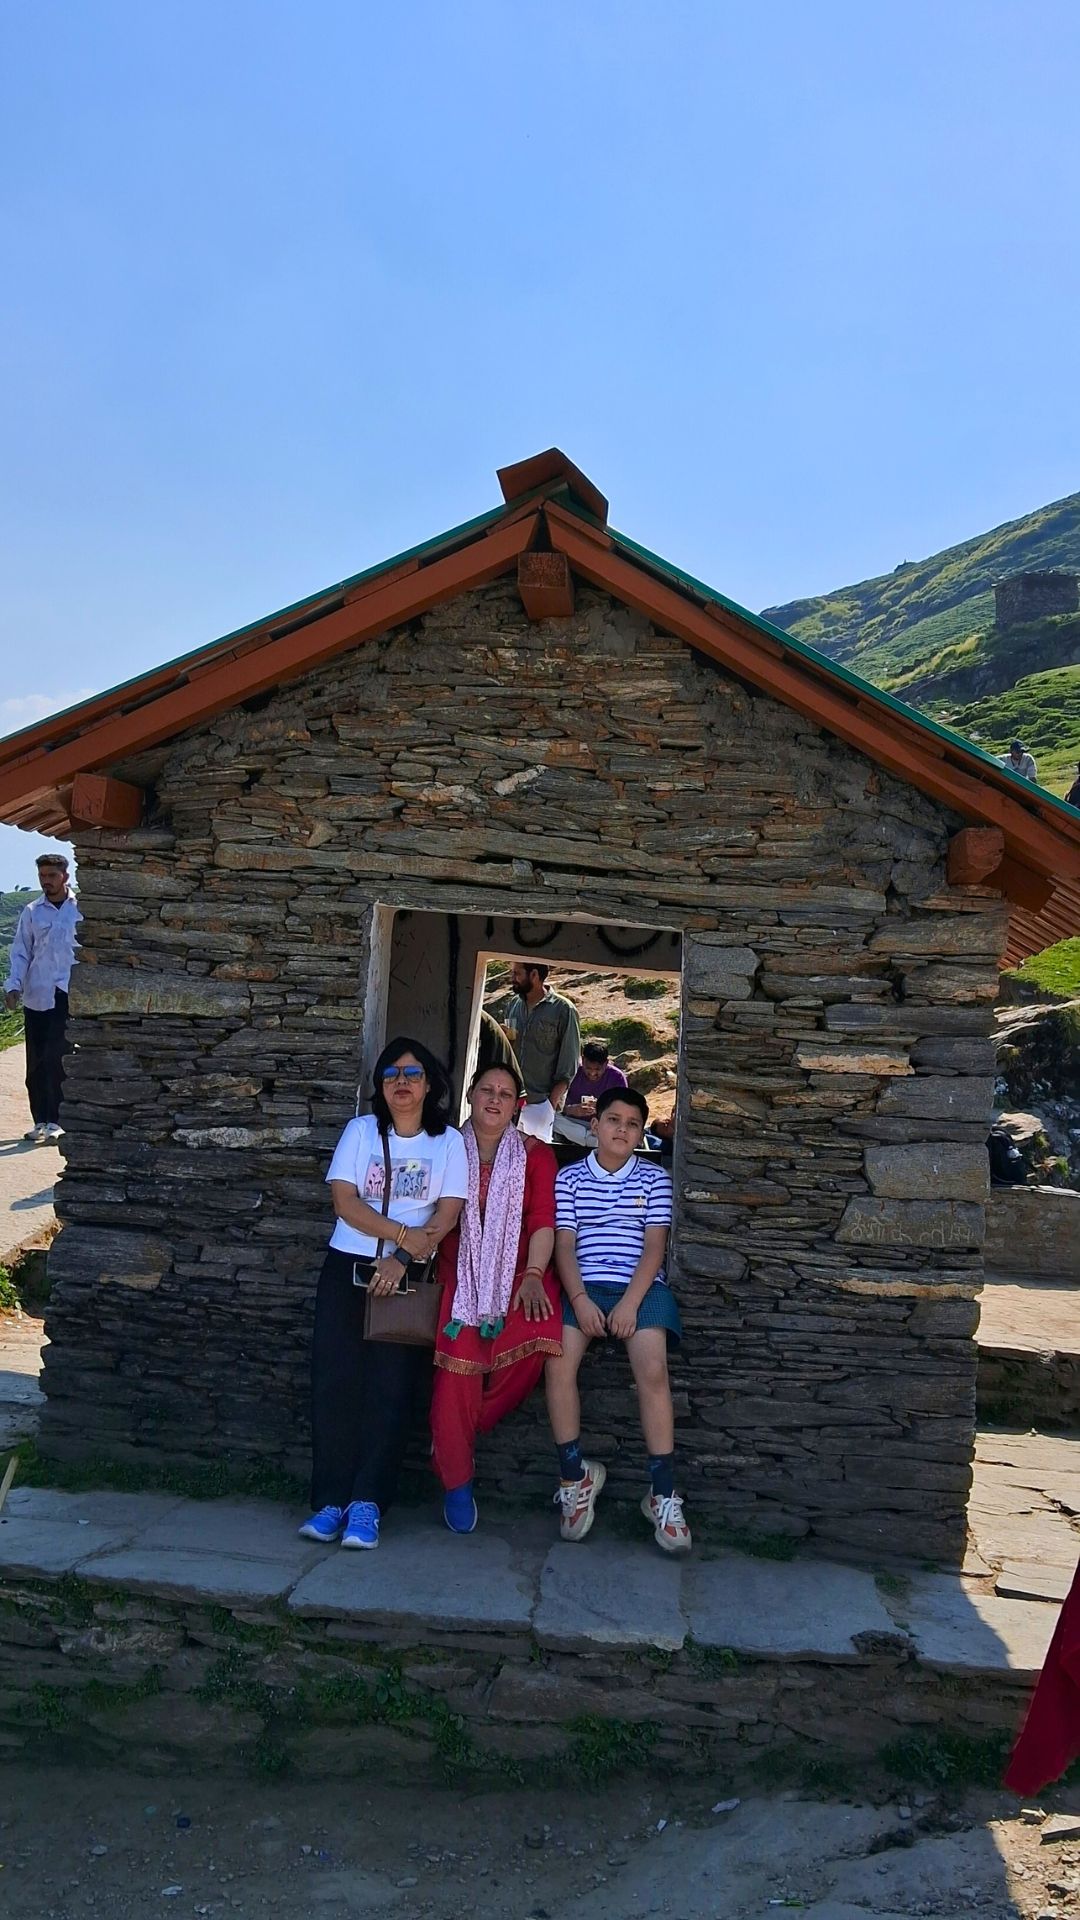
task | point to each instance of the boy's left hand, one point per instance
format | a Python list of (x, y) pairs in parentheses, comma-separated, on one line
[(622, 1321)]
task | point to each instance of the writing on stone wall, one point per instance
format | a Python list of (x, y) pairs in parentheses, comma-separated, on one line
[(911, 1223)]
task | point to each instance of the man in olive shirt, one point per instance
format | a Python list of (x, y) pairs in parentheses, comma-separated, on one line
[(544, 1031)]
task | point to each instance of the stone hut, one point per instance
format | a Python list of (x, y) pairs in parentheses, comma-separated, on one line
[(1034, 596), (530, 728)]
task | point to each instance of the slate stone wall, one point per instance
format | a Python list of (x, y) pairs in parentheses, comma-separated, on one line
[(836, 1070), (153, 1684)]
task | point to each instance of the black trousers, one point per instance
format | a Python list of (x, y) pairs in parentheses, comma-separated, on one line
[(363, 1396), (45, 1059)]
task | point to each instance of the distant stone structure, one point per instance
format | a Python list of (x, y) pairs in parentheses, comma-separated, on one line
[(1032, 596)]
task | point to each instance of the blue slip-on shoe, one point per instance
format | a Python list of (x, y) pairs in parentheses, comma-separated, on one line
[(361, 1525), (459, 1509), (324, 1526)]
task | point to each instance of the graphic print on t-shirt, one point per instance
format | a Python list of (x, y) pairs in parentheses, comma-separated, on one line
[(410, 1180)]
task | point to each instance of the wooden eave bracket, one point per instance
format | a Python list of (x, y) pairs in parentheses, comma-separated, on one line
[(974, 854), (977, 857), (97, 800), (546, 585), (1021, 885)]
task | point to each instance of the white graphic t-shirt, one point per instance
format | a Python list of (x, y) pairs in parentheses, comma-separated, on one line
[(424, 1169)]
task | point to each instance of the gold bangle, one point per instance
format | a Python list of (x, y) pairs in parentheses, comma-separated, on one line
[(402, 1231)]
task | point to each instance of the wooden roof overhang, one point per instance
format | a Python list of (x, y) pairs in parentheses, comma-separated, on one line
[(551, 505)]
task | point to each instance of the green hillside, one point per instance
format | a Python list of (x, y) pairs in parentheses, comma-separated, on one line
[(11, 905), (1044, 711), (888, 627), (926, 633)]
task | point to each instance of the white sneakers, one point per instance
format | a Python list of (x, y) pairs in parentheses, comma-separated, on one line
[(577, 1498), (42, 1135), (670, 1530)]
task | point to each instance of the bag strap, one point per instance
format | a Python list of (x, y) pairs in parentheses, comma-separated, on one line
[(385, 1208)]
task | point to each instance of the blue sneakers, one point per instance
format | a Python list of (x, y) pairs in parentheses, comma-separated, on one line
[(361, 1525), (324, 1526), (459, 1509)]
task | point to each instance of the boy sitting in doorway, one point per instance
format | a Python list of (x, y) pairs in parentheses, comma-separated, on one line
[(612, 1214)]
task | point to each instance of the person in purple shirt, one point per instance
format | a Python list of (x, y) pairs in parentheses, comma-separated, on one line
[(593, 1077)]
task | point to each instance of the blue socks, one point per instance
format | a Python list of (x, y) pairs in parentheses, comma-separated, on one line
[(662, 1473), (571, 1464)]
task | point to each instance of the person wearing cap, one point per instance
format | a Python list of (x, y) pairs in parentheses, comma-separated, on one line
[(42, 956), (1019, 760)]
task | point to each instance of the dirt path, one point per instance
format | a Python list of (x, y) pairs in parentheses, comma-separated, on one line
[(22, 1337), (122, 1848), (27, 1174)]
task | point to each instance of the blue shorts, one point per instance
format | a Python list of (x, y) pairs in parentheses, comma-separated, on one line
[(658, 1309)]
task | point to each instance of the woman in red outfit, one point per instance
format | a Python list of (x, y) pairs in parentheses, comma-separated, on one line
[(500, 1296)]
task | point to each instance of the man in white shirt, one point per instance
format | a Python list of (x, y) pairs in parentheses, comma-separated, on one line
[(42, 956), (1019, 760)]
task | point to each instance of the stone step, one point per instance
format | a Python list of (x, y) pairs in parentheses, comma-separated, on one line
[(1029, 1351)]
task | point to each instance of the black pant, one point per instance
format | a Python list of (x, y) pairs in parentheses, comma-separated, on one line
[(362, 1396), (45, 1059)]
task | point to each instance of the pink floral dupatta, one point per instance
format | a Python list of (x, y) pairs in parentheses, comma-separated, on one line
[(488, 1248)]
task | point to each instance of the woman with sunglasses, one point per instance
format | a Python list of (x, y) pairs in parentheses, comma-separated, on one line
[(363, 1390), (499, 1292)]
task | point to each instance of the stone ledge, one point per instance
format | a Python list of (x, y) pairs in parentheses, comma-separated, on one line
[(604, 1596), (1034, 1231)]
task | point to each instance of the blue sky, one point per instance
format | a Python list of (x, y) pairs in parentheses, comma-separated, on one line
[(797, 285)]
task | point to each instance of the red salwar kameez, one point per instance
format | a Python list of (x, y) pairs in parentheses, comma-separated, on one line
[(1050, 1737), (479, 1381)]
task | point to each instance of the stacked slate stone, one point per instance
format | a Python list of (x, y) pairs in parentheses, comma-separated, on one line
[(835, 1076)]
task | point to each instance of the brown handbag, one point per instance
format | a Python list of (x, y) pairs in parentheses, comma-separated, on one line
[(409, 1317)]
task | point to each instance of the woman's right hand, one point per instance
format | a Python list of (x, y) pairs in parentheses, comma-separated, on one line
[(386, 1277), (589, 1317)]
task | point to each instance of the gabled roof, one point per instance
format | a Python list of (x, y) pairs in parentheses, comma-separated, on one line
[(549, 503)]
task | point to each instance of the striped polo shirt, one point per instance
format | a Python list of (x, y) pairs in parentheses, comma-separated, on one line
[(609, 1212)]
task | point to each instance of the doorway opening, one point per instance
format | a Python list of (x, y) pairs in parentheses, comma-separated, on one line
[(433, 975)]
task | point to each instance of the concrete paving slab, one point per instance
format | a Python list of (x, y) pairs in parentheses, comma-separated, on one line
[(1028, 1316), (50, 1547), (1042, 1538), (960, 1624), (1032, 1582), (128, 1513), (421, 1573), (250, 1529), (799, 1609), (609, 1593), (216, 1577)]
